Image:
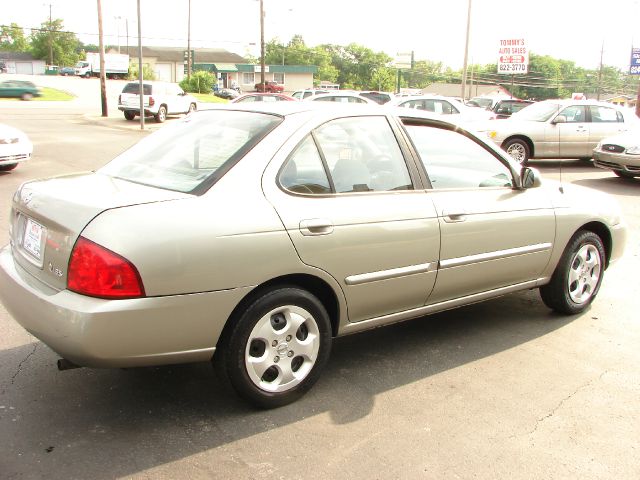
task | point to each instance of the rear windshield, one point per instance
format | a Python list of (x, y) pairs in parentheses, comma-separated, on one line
[(135, 88), (191, 155)]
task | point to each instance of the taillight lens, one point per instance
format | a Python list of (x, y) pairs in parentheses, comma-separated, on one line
[(119, 98), (99, 272), (152, 102)]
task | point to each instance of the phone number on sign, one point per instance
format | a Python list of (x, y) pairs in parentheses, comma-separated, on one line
[(512, 67)]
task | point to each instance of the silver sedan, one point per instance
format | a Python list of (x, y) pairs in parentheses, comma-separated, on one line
[(620, 153), (559, 129), (251, 235)]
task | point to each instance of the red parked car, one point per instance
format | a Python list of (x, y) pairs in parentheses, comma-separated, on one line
[(270, 87)]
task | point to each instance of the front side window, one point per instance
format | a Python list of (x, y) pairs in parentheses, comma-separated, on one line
[(575, 114), (359, 154), (453, 160)]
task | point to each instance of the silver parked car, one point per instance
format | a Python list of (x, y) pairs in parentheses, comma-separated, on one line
[(558, 129), (252, 234), (620, 153), (448, 106)]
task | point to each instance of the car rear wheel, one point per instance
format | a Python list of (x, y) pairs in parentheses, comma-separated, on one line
[(577, 278), (129, 115), (622, 174), (192, 108), (519, 150), (277, 348), (161, 116)]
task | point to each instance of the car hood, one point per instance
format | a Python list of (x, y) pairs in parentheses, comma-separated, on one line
[(626, 140), (63, 207)]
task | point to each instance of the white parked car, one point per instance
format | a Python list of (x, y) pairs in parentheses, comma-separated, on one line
[(160, 99), (341, 97), (15, 147), (443, 106)]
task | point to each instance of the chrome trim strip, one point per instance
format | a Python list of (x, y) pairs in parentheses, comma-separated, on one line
[(484, 257), (387, 274), (436, 307)]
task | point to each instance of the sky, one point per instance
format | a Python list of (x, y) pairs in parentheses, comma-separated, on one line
[(575, 30)]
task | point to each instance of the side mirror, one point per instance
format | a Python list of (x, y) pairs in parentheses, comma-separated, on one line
[(559, 119), (530, 177)]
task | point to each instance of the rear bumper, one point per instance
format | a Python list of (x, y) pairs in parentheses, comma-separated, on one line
[(136, 110), (94, 332)]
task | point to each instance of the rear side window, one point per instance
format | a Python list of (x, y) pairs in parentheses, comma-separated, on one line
[(193, 154), (134, 88), (359, 154)]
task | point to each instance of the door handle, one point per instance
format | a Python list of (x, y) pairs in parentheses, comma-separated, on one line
[(316, 226), (454, 216)]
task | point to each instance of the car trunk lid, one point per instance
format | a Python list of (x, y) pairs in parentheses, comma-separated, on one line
[(49, 215)]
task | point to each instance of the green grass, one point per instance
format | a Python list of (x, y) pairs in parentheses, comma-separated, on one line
[(209, 98), (49, 95)]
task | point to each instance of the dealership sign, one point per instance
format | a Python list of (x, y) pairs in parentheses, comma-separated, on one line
[(634, 68), (513, 56)]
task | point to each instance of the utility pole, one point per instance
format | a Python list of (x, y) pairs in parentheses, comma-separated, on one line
[(600, 70), (189, 43), (140, 69), (262, 43), (103, 82), (466, 55), (50, 38)]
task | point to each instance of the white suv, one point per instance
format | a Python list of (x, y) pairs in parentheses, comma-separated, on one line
[(160, 99)]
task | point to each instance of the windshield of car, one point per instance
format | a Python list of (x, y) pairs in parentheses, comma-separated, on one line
[(191, 155), (537, 112)]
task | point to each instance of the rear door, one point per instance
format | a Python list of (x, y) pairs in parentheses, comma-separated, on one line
[(605, 122), (353, 208)]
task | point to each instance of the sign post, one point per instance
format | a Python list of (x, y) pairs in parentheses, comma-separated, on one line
[(634, 69)]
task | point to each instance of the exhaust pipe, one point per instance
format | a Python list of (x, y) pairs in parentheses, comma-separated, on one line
[(64, 364)]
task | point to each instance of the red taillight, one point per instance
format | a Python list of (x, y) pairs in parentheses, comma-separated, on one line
[(152, 102), (119, 98), (98, 272)]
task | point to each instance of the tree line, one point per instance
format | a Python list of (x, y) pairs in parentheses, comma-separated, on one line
[(357, 67)]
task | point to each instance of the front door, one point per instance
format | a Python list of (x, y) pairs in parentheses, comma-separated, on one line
[(492, 236)]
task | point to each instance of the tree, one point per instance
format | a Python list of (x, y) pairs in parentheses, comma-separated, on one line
[(52, 37), (12, 39)]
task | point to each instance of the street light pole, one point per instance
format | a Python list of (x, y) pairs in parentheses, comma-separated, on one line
[(189, 43), (117, 19)]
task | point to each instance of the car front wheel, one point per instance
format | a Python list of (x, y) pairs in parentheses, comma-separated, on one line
[(577, 278), (192, 108), (519, 150), (277, 347)]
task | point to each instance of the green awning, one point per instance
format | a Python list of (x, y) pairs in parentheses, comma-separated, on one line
[(226, 67)]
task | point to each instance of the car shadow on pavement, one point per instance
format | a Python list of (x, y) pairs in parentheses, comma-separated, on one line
[(102, 424), (620, 187)]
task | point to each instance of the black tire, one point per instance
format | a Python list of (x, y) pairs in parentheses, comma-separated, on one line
[(257, 355), (622, 174), (578, 276), (129, 115), (6, 168), (519, 150), (161, 116), (192, 108)]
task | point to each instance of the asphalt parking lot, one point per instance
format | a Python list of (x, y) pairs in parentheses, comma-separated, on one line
[(500, 389)]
